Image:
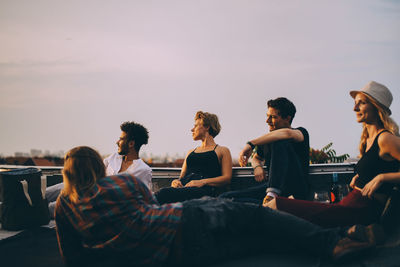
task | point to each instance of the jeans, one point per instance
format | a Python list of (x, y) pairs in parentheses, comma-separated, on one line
[(285, 177), (254, 194), (52, 193), (215, 229)]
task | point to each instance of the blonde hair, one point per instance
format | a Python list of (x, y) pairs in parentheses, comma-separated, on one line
[(209, 120), (83, 166), (384, 120)]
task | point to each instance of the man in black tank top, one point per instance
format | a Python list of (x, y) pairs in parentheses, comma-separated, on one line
[(285, 153)]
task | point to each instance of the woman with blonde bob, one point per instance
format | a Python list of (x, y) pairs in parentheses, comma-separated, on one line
[(206, 168), (376, 172), (116, 221)]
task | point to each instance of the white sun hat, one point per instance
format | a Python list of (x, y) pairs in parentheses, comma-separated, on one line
[(377, 91)]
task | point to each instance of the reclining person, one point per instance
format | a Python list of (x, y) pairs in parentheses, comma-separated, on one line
[(285, 151), (206, 168), (116, 221)]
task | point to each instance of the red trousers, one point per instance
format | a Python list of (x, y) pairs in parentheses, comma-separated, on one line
[(353, 209)]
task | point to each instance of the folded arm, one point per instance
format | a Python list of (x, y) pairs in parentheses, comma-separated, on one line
[(277, 135)]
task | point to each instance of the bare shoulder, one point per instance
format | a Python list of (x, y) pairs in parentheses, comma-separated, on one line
[(389, 145), (190, 151), (223, 150), (387, 138)]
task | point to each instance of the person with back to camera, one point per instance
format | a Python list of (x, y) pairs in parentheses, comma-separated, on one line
[(116, 221), (206, 168), (285, 151), (376, 172)]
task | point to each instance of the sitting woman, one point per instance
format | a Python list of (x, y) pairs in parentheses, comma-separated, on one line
[(205, 169), (116, 221), (376, 171)]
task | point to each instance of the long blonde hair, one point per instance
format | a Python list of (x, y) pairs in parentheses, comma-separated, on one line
[(384, 120), (83, 166)]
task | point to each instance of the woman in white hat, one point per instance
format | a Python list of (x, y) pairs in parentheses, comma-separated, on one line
[(376, 171)]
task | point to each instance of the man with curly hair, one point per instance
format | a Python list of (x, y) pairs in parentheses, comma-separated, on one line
[(133, 136)]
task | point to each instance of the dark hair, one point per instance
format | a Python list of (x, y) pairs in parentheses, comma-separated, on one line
[(284, 106), (135, 132)]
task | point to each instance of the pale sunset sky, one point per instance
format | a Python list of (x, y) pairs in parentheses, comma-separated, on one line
[(72, 71)]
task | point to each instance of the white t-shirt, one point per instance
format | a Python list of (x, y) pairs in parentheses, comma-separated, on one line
[(138, 168)]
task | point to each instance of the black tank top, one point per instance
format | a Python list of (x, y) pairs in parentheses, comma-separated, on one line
[(370, 165), (205, 163)]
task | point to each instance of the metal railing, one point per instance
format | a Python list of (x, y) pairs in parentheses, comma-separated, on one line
[(168, 173)]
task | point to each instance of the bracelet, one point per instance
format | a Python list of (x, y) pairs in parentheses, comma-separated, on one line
[(251, 145), (257, 166)]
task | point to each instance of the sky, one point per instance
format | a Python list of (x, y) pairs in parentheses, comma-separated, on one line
[(72, 71)]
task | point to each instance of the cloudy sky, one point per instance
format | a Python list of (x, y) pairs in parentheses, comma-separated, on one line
[(72, 71)]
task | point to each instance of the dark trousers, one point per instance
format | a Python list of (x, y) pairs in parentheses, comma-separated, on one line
[(285, 176), (254, 194), (286, 172), (215, 229), (172, 194)]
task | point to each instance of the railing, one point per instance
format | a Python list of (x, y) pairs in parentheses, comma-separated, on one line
[(242, 177), (167, 173)]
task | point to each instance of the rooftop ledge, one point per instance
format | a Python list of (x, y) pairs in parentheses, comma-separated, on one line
[(166, 172)]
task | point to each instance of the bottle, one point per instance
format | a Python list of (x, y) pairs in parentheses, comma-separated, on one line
[(335, 190)]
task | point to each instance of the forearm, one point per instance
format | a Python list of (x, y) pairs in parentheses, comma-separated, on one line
[(392, 177), (257, 161), (218, 181), (277, 135)]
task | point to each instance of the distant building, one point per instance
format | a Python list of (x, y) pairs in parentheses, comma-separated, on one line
[(35, 153), (23, 161), (21, 154), (43, 162), (179, 162), (28, 161)]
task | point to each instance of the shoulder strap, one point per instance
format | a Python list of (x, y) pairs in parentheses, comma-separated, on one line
[(215, 147), (376, 138)]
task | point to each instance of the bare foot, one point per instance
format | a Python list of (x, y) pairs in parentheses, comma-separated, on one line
[(271, 204)]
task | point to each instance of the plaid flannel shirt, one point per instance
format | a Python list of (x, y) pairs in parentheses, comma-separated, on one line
[(119, 214)]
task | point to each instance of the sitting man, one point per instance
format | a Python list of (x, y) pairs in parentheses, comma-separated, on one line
[(285, 151), (133, 136)]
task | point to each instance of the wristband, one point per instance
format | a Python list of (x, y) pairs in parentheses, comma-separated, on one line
[(251, 145)]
